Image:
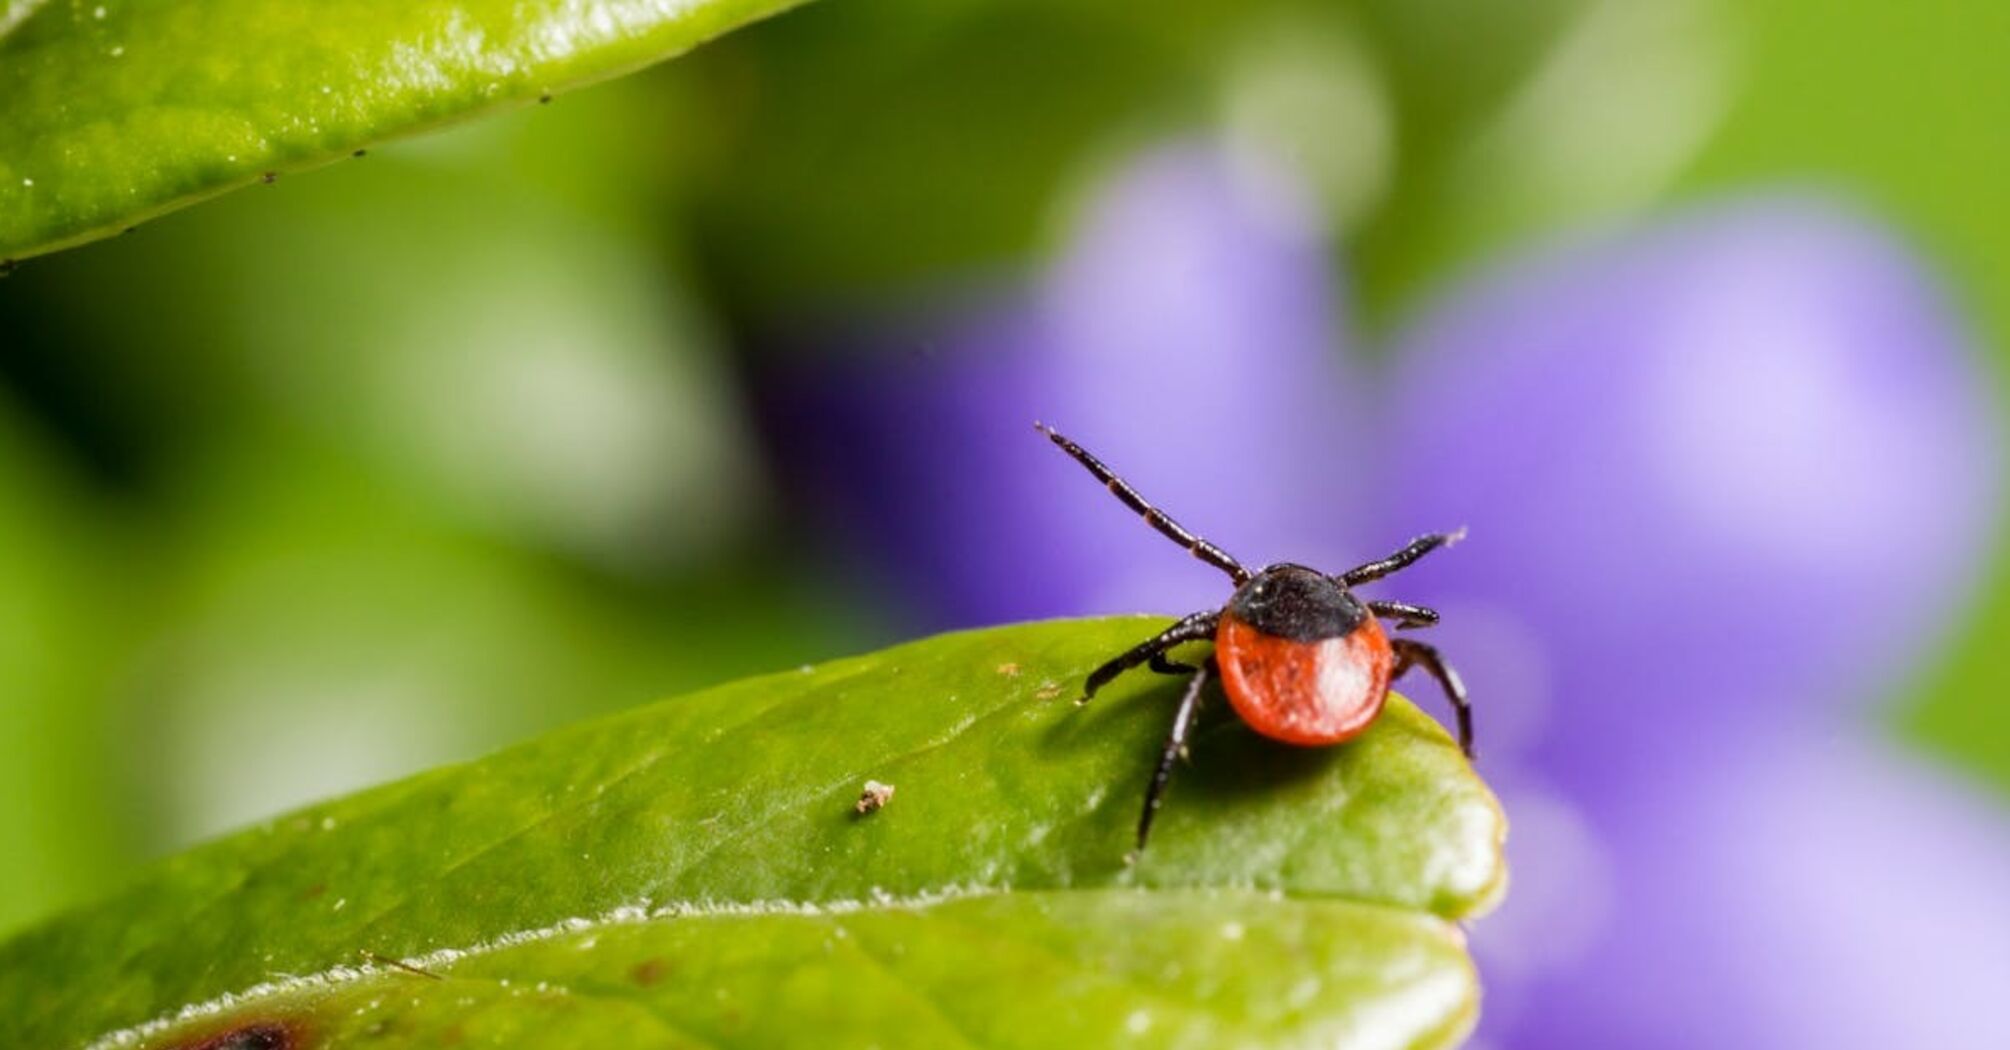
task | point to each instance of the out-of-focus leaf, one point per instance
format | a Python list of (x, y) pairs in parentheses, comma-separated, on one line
[(1518, 118), (940, 134), (119, 111), (61, 629), (948, 137), (14, 12), (696, 871)]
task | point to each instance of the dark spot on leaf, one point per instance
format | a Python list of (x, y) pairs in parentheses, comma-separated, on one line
[(314, 891), (360, 153), (649, 971), (249, 1035), (544, 100), (127, 230), (269, 177)]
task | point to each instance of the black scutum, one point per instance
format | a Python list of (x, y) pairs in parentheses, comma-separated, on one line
[(1294, 602)]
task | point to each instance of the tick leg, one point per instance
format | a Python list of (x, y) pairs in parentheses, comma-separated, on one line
[(1416, 654), (1402, 559), (1405, 614), (1161, 665), (1175, 744), (1153, 516), (1194, 628)]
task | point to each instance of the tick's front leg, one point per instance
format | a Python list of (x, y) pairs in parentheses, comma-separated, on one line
[(1198, 627)]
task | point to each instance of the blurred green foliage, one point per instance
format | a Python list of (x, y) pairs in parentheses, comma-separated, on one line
[(387, 465), (362, 474), (949, 138), (58, 617)]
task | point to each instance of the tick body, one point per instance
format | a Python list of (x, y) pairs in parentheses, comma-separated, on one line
[(1301, 659)]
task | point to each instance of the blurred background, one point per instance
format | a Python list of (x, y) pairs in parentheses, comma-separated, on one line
[(1696, 315)]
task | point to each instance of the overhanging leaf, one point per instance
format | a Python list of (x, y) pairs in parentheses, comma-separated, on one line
[(695, 870), (118, 111)]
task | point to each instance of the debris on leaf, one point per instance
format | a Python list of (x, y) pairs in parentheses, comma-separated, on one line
[(874, 796), (397, 964), (1009, 670)]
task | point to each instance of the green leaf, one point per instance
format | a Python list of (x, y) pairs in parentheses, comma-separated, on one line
[(694, 871), (119, 111)]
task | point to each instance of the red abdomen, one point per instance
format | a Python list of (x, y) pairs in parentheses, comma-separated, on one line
[(1308, 693)]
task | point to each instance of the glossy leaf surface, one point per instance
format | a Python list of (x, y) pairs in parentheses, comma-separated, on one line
[(118, 111), (696, 870)]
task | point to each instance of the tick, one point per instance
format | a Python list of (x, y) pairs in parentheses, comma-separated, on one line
[(1301, 659)]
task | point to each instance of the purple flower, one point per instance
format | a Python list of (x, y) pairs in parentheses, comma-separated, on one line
[(1726, 477), (1799, 889), (1742, 455)]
